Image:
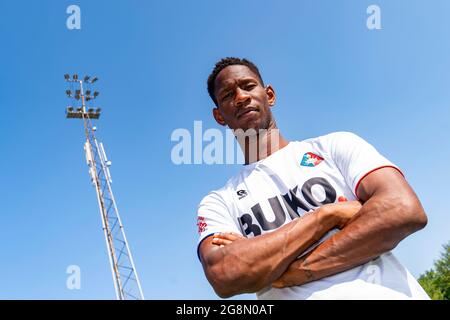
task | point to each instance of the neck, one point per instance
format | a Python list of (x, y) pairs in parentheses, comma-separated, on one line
[(258, 145)]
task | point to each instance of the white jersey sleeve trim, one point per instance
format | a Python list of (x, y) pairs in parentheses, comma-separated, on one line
[(373, 170)]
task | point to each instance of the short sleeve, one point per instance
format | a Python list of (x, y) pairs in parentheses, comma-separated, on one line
[(354, 157), (214, 216)]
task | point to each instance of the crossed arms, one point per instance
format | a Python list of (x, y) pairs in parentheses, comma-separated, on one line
[(390, 212)]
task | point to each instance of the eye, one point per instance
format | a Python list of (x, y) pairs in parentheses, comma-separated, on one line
[(249, 86), (227, 95)]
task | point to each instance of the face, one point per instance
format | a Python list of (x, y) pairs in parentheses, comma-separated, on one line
[(243, 102)]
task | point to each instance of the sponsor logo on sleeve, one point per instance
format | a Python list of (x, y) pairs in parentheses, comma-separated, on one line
[(201, 224)]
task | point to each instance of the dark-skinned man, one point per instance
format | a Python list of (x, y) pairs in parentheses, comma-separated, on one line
[(290, 224)]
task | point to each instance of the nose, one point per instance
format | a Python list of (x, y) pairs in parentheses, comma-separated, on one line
[(242, 98)]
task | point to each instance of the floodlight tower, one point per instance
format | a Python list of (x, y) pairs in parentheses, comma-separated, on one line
[(126, 281)]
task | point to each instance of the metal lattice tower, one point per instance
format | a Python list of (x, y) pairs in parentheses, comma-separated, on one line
[(126, 281)]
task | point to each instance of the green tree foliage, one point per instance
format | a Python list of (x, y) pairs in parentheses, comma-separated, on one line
[(436, 282)]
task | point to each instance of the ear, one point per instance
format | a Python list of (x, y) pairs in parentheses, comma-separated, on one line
[(271, 96), (218, 117)]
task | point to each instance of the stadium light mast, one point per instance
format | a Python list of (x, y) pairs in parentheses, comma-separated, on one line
[(126, 281)]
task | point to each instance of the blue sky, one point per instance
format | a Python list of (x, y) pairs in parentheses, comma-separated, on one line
[(390, 86)]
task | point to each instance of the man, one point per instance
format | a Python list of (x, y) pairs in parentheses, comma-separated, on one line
[(289, 224)]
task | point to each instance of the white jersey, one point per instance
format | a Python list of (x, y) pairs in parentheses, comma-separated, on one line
[(296, 179)]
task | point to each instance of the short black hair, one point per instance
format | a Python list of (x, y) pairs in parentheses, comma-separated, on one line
[(222, 64)]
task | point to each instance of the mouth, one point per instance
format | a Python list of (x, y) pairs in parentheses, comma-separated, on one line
[(246, 111)]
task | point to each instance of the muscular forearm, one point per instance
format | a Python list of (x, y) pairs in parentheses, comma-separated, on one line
[(381, 224), (248, 265)]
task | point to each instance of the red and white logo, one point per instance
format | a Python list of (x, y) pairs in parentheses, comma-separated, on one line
[(311, 160), (201, 224)]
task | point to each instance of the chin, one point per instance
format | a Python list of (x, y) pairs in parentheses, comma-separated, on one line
[(254, 123), (248, 127)]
